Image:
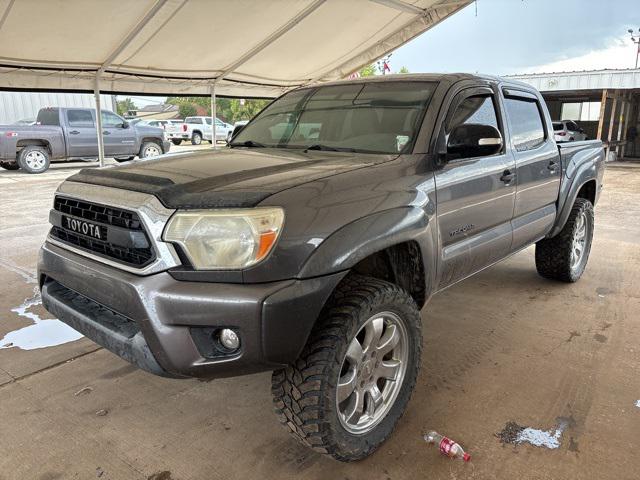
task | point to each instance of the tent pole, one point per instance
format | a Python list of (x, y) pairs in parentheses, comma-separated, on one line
[(214, 114), (96, 93)]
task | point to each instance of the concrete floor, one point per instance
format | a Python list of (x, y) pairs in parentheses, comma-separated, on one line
[(503, 346)]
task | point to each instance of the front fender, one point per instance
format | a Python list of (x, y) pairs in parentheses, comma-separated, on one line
[(357, 240)]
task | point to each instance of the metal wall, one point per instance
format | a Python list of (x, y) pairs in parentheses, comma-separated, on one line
[(16, 106)]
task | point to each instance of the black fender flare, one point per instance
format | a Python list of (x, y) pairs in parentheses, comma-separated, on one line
[(361, 238), (569, 193)]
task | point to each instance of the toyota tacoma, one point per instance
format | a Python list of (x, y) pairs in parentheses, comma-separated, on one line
[(309, 246)]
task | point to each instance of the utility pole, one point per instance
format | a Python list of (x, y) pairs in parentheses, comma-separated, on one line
[(636, 39)]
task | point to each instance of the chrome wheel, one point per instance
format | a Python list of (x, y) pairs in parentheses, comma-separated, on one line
[(152, 151), (372, 372), (35, 160), (579, 241)]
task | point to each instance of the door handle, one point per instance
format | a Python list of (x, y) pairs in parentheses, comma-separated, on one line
[(74, 132), (106, 132), (507, 176), (552, 165)]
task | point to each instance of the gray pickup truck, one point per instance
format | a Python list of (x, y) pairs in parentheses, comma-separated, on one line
[(70, 134), (311, 244)]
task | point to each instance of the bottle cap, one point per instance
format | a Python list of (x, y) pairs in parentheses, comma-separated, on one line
[(466, 457)]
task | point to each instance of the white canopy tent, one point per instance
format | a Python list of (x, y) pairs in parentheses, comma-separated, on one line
[(241, 48)]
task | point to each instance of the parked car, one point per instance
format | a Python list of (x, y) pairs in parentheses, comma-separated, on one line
[(70, 134), (167, 125), (568, 131), (310, 245), (197, 129)]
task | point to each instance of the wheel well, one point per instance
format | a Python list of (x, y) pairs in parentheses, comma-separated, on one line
[(28, 143), (151, 139), (400, 264), (196, 131), (588, 191)]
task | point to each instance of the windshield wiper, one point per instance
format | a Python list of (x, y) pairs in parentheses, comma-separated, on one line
[(327, 148), (248, 143)]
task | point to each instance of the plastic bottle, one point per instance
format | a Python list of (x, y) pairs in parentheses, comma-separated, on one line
[(447, 447)]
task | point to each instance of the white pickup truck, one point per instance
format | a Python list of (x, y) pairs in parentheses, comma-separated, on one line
[(197, 129)]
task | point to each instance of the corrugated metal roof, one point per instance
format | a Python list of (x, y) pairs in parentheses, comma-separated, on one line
[(585, 80)]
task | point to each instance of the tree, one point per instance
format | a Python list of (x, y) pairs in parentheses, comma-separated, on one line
[(404, 70), (187, 110), (369, 70), (229, 110), (123, 106)]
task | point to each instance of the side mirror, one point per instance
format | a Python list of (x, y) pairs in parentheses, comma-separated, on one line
[(474, 140), (125, 124)]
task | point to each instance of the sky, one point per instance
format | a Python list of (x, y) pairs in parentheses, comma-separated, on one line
[(527, 36)]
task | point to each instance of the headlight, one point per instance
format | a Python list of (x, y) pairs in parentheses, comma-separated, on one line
[(225, 239)]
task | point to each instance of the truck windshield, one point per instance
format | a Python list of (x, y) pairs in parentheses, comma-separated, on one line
[(376, 117)]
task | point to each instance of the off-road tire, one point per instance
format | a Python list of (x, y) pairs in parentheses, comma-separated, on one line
[(304, 393), (176, 141), (196, 139), (9, 165), (22, 159), (553, 255)]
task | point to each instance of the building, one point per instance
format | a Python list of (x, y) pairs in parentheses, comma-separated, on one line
[(162, 111), (16, 106), (606, 103)]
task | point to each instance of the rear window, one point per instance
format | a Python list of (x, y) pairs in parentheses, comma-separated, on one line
[(527, 129), (193, 120), (558, 126), (80, 118), (48, 116)]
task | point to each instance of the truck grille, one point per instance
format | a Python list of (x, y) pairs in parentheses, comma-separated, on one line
[(104, 217)]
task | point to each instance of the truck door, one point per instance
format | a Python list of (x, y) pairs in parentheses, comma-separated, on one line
[(537, 167), (117, 139), (82, 140), (475, 192)]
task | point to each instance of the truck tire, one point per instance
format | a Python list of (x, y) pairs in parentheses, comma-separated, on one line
[(34, 159), (176, 141), (9, 165), (150, 149), (196, 138), (564, 257), (351, 384)]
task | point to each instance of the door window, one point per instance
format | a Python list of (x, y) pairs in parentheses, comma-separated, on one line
[(79, 118), (476, 109), (111, 120), (525, 123)]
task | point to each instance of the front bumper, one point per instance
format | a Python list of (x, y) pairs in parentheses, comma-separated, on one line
[(162, 324)]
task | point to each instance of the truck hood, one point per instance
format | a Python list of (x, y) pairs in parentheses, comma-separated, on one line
[(225, 178)]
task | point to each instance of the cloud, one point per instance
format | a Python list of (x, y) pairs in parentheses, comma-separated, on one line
[(621, 53)]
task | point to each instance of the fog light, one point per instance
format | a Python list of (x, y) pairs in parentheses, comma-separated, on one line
[(229, 339)]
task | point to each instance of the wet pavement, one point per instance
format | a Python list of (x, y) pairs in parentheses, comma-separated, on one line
[(504, 346)]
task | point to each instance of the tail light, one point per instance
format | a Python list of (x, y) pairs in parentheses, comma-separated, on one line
[(11, 134), (184, 127)]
